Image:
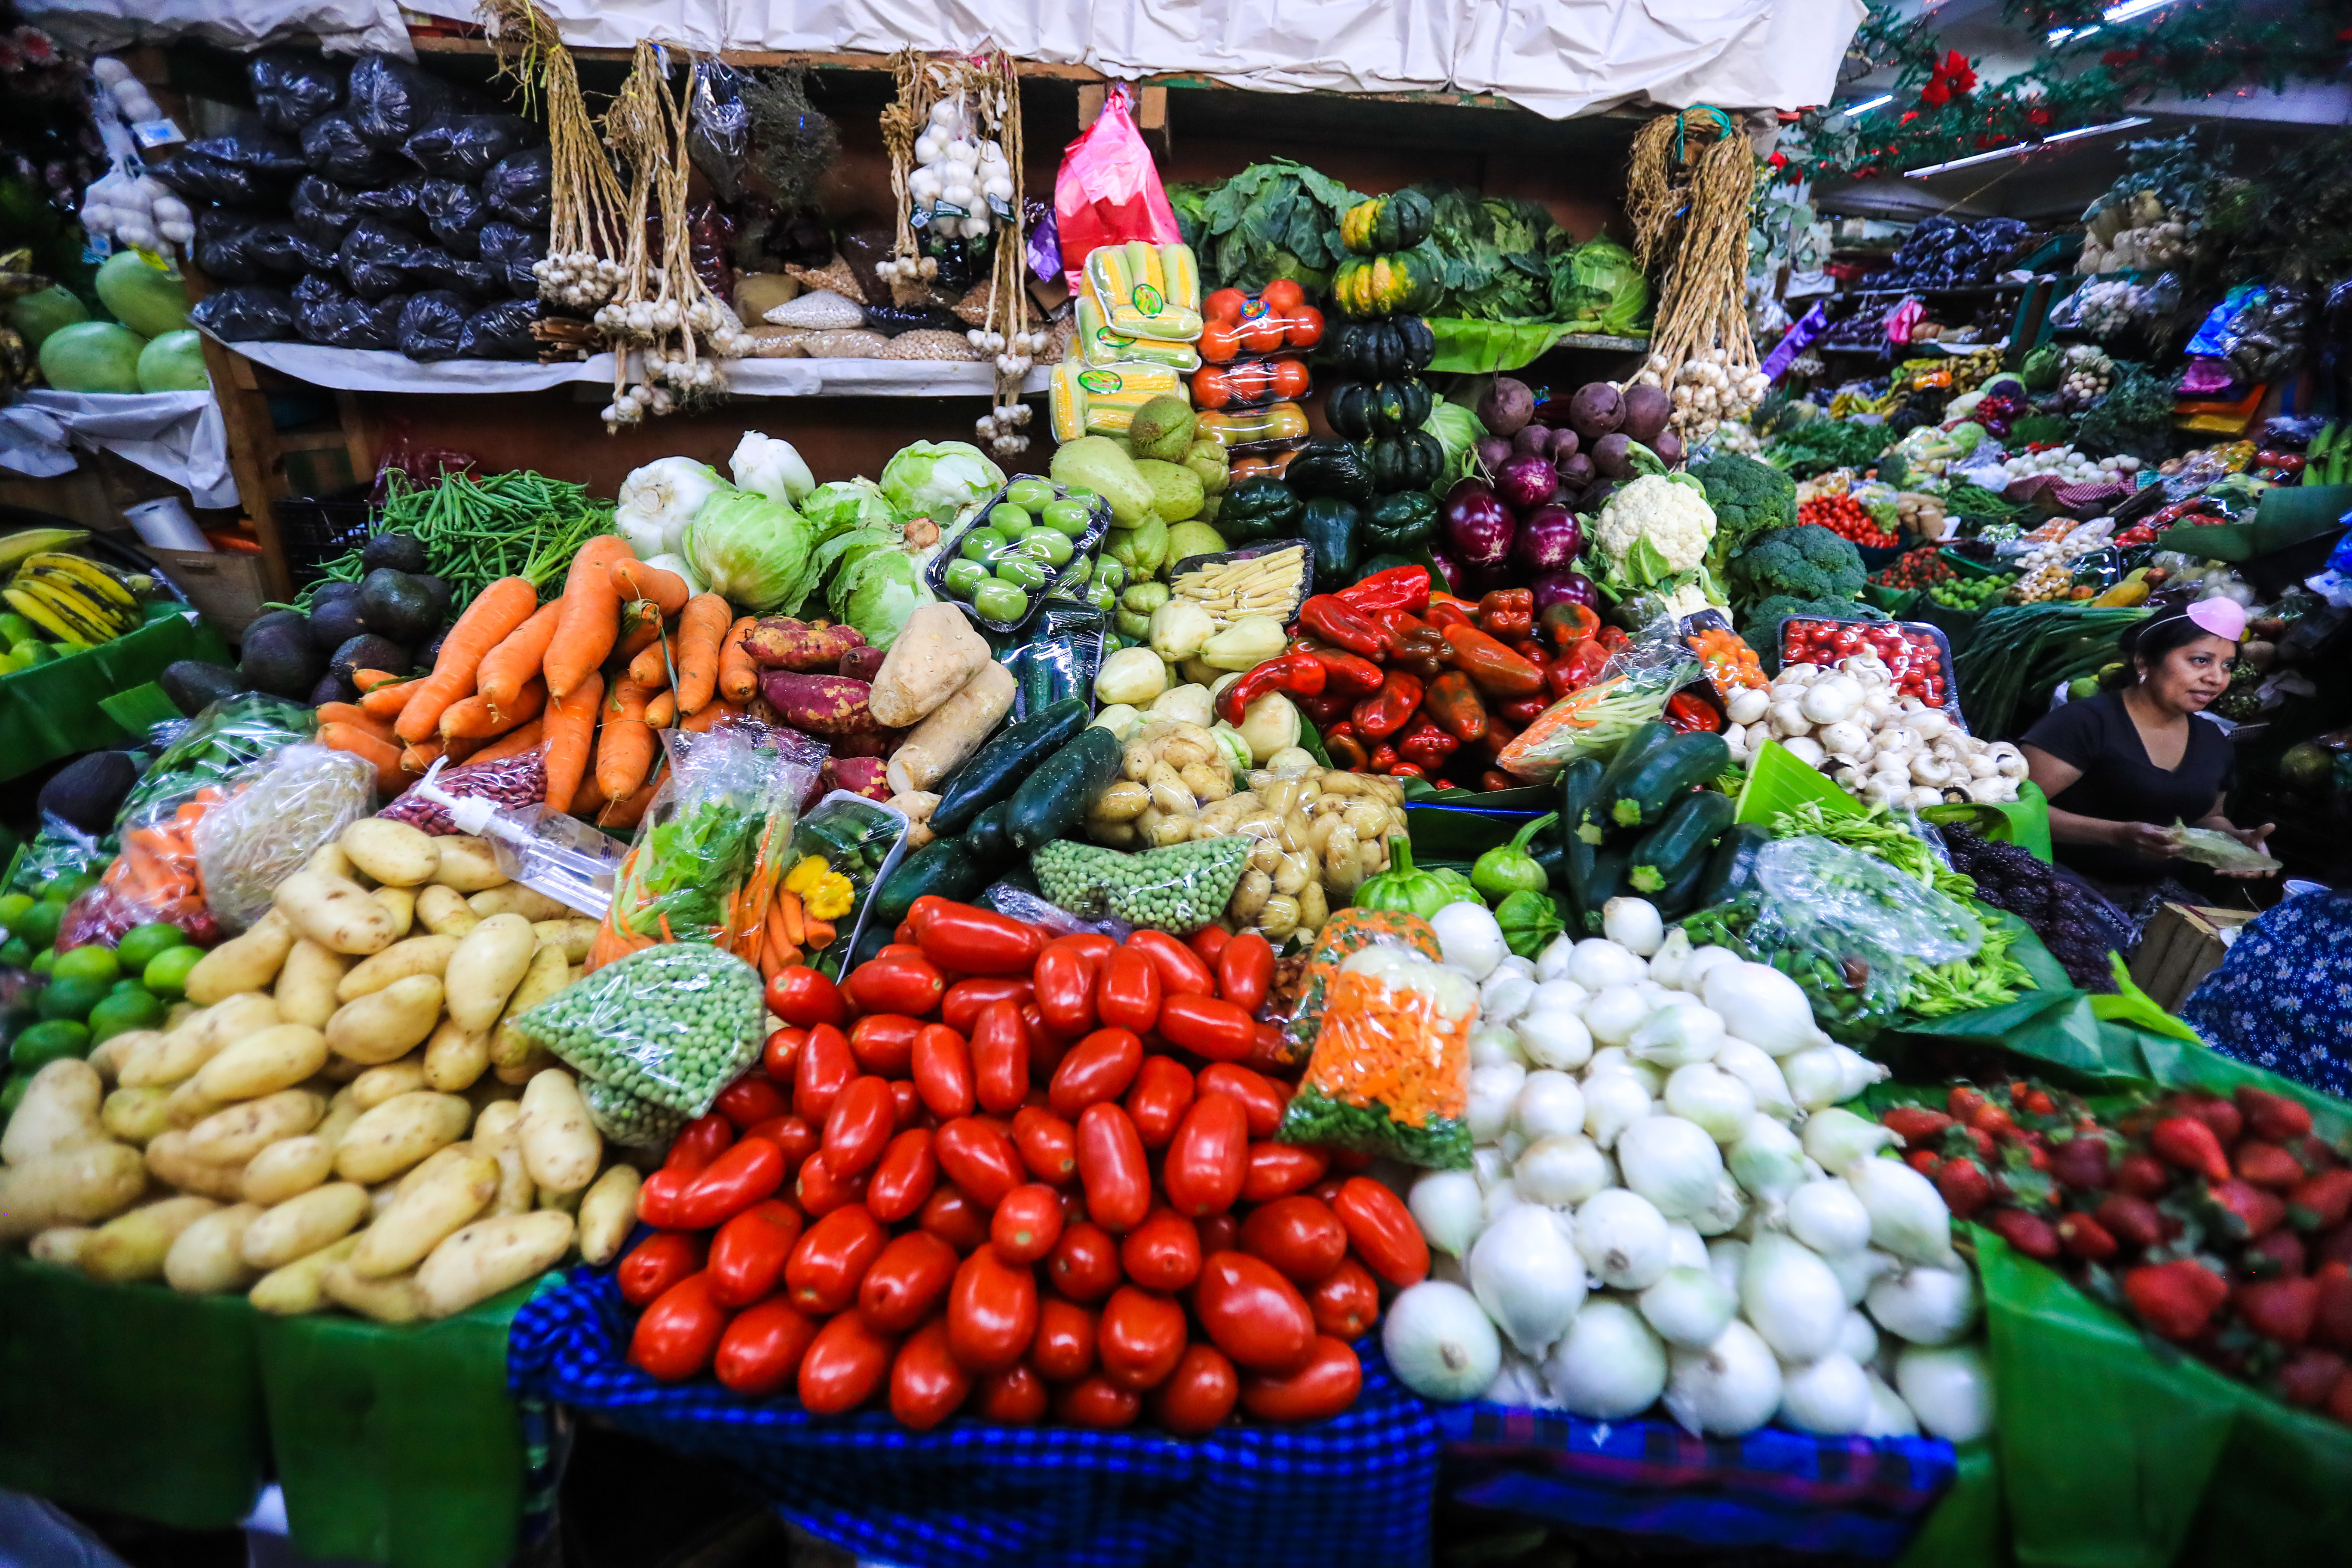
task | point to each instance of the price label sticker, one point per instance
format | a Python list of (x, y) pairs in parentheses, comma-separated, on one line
[(156, 132)]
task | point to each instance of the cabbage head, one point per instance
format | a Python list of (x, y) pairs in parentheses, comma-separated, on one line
[(1604, 280), (840, 505), (875, 592), (759, 553), (938, 478)]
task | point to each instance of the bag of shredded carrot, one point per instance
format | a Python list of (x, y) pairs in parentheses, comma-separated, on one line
[(1390, 1069)]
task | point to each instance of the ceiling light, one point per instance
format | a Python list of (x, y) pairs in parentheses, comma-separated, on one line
[(1866, 106), (2019, 148)]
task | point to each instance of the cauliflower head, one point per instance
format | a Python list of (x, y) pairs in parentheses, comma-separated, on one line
[(1656, 526)]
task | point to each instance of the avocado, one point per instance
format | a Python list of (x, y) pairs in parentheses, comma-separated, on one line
[(333, 687), (440, 590), (367, 651), (394, 605), (192, 685), (336, 621), (294, 618), (430, 654), (279, 657), (392, 549), (89, 790)]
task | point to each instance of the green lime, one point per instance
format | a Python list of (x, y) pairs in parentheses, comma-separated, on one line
[(88, 963), (47, 1042), (38, 925), (65, 889), (141, 943), (13, 907), (12, 1093), (64, 997), (43, 961), (1030, 495), (134, 1008), (16, 952), (167, 972)]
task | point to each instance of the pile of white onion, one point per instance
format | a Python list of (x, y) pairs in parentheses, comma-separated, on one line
[(1890, 750), (1661, 1210)]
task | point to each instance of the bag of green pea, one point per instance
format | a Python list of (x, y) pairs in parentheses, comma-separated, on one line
[(628, 1120), (672, 1023)]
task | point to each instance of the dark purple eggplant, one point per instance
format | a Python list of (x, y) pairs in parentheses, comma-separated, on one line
[(1565, 588), (1647, 410), (1527, 481), (1550, 538), (1493, 453), (1612, 455), (1506, 406), (1595, 410), (1478, 526)]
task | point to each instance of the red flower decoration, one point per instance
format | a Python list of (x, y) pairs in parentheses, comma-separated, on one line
[(1948, 78)]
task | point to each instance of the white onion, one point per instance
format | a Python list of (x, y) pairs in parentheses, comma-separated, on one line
[(1726, 1390), (1666, 963), (1726, 1257), (1686, 1248), (1489, 1166), (1608, 1366), (1703, 963), (1622, 1238), (1791, 1297), (1948, 1389), (1492, 1089), (1836, 1139), (1761, 1074), (1824, 1075), (1688, 1307), (1908, 1217), (1858, 1337), (1768, 1160), (1470, 938), (1551, 964), (1612, 1102), (1562, 1170), (1526, 1273), (1889, 1416), (1856, 1270), (1926, 1306), (1558, 995), (1553, 1037), (1511, 1144), (1450, 1209), (1724, 1211), (1826, 1216), (1632, 924), (1617, 1059), (1549, 1102), (1671, 1161), (1598, 963), (1773, 1012), (1505, 995), (1439, 1342), (1829, 1397), (1613, 1014), (1519, 1382), (1717, 1101), (1499, 1196), (1677, 1036), (1493, 1043)]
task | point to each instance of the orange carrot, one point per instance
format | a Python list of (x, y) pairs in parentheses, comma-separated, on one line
[(371, 679), (511, 665), (711, 716), (420, 757), (364, 744), (496, 611), (701, 628), (353, 714), (662, 712), (630, 811), (475, 718), (651, 666), (625, 749), (820, 933), (795, 931), (739, 678), (633, 579), (641, 628), (590, 621), (569, 725), (461, 748), (513, 743), (588, 800), (385, 703)]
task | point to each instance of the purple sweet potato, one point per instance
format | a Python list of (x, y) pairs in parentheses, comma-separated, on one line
[(820, 704), (781, 642), (862, 662)]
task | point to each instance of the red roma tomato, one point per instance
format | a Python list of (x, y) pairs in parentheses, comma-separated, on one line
[(1263, 1099), (1245, 970), (1269, 1052), (1348, 1303), (1046, 1048), (760, 1353), (1027, 1224), (820, 1192), (959, 1008), (979, 1158), (1182, 972), (796, 1138), (1380, 1229), (675, 1337), (1048, 1145), (1066, 989), (1207, 942), (1163, 1253), (905, 1105), (1220, 1031), (1098, 1402), (1220, 1233), (1199, 1395), (991, 1312), (697, 1144), (1252, 1313), (1318, 1390), (1111, 1166), (826, 1064), (657, 1263), (903, 1177), (898, 983), (1063, 1350), (971, 940), (804, 998), (941, 1065), (1300, 1236), (1014, 1398), (1084, 1265), (1140, 1338), (782, 1054), (860, 1125), (751, 1100), (846, 1365), (1000, 1058), (658, 1197), (954, 1218), (831, 1259), (1278, 1170), (1099, 1068), (907, 1282), (732, 1182), (1161, 1095), (747, 1256), (1208, 1157), (926, 1384), (883, 1043)]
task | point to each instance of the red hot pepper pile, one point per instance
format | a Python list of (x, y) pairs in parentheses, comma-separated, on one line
[(2224, 1225), (1401, 679), (1032, 1179)]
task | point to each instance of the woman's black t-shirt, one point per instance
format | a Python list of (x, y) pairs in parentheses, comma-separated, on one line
[(2120, 784)]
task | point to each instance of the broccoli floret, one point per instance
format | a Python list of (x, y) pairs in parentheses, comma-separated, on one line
[(1807, 562), (1749, 498), (1761, 628)]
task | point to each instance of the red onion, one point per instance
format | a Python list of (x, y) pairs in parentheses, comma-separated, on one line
[(1550, 538), (1566, 588), (1527, 481), (1477, 525)]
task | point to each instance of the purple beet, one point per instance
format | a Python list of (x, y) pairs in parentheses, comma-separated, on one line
[(1565, 588), (1592, 498), (1493, 453), (1647, 410), (1507, 405), (1668, 446), (1576, 468), (1527, 481), (1550, 538), (1532, 439), (1596, 410), (1478, 527), (1613, 457), (1563, 444)]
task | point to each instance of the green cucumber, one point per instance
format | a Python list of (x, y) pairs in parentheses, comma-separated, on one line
[(1643, 793), (1732, 866), (1637, 748), (1668, 853), (1052, 800), (985, 838), (1580, 788), (1573, 881), (997, 768), (1679, 898), (944, 866)]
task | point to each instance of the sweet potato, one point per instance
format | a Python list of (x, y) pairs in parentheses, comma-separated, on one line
[(820, 704), (783, 643), (863, 662), (937, 651), (954, 729), (858, 775)]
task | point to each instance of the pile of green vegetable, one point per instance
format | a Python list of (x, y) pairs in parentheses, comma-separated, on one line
[(1818, 445), (1276, 219), (475, 530), (2020, 648)]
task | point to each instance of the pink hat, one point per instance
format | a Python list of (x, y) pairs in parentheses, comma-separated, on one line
[(2225, 618)]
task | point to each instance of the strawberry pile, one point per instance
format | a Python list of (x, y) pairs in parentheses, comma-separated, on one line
[(1032, 1178), (2224, 1225), (1848, 519), (1921, 568)]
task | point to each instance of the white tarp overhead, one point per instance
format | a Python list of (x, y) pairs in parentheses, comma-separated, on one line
[(341, 26)]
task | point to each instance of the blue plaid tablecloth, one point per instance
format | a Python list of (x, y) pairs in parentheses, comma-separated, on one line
[(1356, 1490)]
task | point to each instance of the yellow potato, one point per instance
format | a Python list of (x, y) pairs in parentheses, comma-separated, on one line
[(468, 864), (342, 1111), (496, 1133), (207, 1258), (187, 1105), (455, 1058), (335, 912), (606, 1212), (490, 963), (394, 853), (341, 1071), (305, 984), (399, 1133), (400, 903), (385, 1025), (263, 1063), (444, 911), (168, 1157), (392, 1301), (378, 1084), (414, 955), (303, 1224), (329, 860), (288, 1168), (233, 1136), (560, 1146), (136, 1115), (78, 1186), (490, 1255), (178, 1013), (574, 935), (58, 1113), (294, 1289), (61, 1246), (561, 1203), (110, 1053), (184, 1052), (431, 1165), (133, 1247), (247, 963), (514, 898), (550, 972), (424, 1214), (488, 1091)]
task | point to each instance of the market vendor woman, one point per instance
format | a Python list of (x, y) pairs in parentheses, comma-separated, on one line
[(2122, 767)]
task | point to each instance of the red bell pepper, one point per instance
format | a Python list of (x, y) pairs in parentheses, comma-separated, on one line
[(1534, 652), (1383, 760), (1454, 702), (1300, 673), (1326, 708), (1493, 779), (1386, 712), (1342, 626), (1611, 638), (1509, 613), (1568, 622), (1408, 770), (1690, 715), (1397, 588), (1579, 666), (1493, 667), (1523, 710), (1446, 610), (1347, 674), (1346, 750), (1426, 746), (1423, 651)]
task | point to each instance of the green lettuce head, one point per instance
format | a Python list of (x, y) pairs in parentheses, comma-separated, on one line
[(877, 591), (842, 504), (940, 479), (1607, 280), (760, 554)]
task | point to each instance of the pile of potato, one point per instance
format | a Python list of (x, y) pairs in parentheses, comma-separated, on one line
[(342, 1112)]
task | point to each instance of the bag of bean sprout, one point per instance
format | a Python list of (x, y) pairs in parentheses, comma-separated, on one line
[(673, 1024), (1390, 1073)]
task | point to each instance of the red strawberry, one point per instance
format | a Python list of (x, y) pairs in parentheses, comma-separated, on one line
[(2316, 1153), (2268, 1165), (2309, 1376), (2190, 1143), (2272, 1116), (2332, 1323), (2033, 1102), (2175, 1300), (1964, 1187), (1916, 1123), (2332, 1247), (1986, 1147), (2086, 1239), (2321, 1202), (2245, 1210), (1926, 1162), (2142, 1177), (1963, 1101), (1994, 1119), (2278, 1255), (2218, 1115), (2133, 1222), (2281, 1309), (2081, 1162), (2029, 1234)]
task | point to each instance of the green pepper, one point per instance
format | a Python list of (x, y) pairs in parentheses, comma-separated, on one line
[(1405, 888), (1529, 922), (1328, 525), (1509, 867)]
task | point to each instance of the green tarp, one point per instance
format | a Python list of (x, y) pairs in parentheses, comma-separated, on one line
[(51, 710)]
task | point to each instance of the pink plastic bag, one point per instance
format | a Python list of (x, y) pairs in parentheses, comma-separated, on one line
[(1107, 192)]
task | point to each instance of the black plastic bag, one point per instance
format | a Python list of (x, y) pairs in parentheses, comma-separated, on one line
[(335, 147), (502, 331), (243, 170), (396, 200), (375, 257), (292, 90), (392, 99), (253, 145), (509, 252), (521, 185), (322, 209), (223, 246), (718, 135), (464, 146), (430, 266), (432, 325), (325, 314), (248, 313), (281, 247), (454, 211)]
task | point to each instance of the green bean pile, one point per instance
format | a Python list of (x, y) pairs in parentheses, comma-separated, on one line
[(477, 531)]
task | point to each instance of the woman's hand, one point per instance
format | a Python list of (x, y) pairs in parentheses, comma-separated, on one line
[(2255, 838), (2142, 839)]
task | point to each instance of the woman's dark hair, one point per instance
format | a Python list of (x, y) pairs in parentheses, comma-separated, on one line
[(2152, 640)]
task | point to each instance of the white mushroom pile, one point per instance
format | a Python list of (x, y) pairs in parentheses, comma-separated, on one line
[(1848, 723)]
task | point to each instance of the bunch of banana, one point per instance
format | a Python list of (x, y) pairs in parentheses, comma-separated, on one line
[(18, 368), (74, 600)]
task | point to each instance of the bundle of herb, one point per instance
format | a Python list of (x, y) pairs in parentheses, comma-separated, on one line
[(1817, 445), (2134, 416), (1490, 254)]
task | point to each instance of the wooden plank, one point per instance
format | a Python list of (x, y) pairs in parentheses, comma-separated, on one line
[(255, 458)]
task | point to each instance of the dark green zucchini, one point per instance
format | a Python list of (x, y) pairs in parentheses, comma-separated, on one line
[(1732, 866), (944, 866), (1668, 852), (1052, 801), (1636, 749), (1643, 793), (997, 768), (985, 838), (1606, 882), (1573, 881), (1681, 898), (1580, 791)]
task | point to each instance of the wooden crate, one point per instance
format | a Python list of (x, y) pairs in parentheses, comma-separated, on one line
[(227, 586), (2183, 945)]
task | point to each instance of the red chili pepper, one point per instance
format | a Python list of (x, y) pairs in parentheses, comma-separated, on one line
[(1404, 588), (1454, 704), (804, 998), (1522, 711), (1509, 613), (1301, 673), (741, 1177), (1492, 665), (1347, 675), (1128, 995), (898, 983), (1446, 610), (1426, 746), (1688, 714), (1246, 971), (1423, 651), (1333, 620), (1568, 622), (1347, 751), (1386, 712), (1181, 972), (1384, 760), (1325, 708), (978, 941), (1221, 1031), (1397, 625)]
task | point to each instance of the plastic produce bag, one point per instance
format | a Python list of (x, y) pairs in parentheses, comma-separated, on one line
[(719, 138), (674, 1024), (500, 331), (516, 783), (326, 314), (156, 877), (431, 266), (1178, 888), (334, 146), (223, 246), (1632, 689), (1346, 933), (286, 250), (432, 325), (1030, 909), (391, 101), (1851, 930), (841, 849), (629, 1121), (464, 146), (1390, 1073), (523, 185), (375, 257), (292, 90), (397, 200), (322, 209), (454, 211), (217, 744), (1107, 192), (277, 816), (56, 848), (247, 313), (202, 177), (509, 252)]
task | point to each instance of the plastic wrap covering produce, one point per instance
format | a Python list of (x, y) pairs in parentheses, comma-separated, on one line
[(1315, 835), (629, 1120), (291, 89), (226, 736), (300, 799), (1390, 1073), (1632, 689), (153, 878), (840, 851), (672, 1024), (516, 783), (1346, 934), (465, 146), (1179, 888), (325, 314)]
